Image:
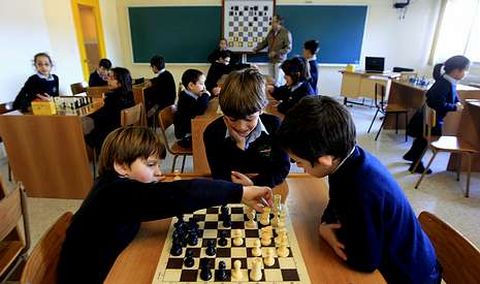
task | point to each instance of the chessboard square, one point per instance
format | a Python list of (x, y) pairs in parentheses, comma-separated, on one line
[(261, 280), (238, 224), (238, 218), (210, 225), (227, 233), (206, 240), (249, 242), (239, 252), (195, 251), (237, 210), (251, 233), (286, 263), (276, 265), (227, 276), (228, 264), (243, 260), (230, 24), (273, 275), (173, 275), (199, 217), (188, 276), (235, 18), (175, 263), (290, 275), (211, 217), (223, 252), (230, 13), (210, 234)]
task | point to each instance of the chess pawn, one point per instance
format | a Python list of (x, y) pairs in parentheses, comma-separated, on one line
[(283, 250), (269, 260), (281, 234), (251, 222), (265, 239), (237, 274), (283, 215), (277, 199), (256, 250), (256, 272), (275, 220), (265, 217), (237, 237)]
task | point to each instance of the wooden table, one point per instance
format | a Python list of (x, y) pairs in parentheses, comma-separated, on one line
[(360, 84), (307, 199)]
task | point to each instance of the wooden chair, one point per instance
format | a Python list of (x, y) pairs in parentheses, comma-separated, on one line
[(13, 250), (133, 116), (97, 92), (78, 88), (451, 144), (459, 258), (4, 108), (41, 266), (386, 108), (165, 118)]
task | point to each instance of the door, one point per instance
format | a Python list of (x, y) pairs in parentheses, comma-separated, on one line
[(88, 25)]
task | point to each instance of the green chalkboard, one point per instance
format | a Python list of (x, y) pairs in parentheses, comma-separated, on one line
[(189, 34), (180, 34)]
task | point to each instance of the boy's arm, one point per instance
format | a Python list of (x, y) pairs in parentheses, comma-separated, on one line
[(201, 104), (216, 160), (437, 99)]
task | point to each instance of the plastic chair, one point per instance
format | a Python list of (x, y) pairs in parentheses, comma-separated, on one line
[(78, 88), (459, 258), (41, 265), (451, 144), (165, 118), (387, 109)]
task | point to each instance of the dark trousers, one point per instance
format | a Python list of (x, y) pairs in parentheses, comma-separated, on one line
[(418, 147)]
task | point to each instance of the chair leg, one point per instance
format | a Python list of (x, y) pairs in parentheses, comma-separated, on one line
[(419, 160), (9, 172), (94, 162), (469, 163), (174, 162), (406, 126), (426, 169), (381, 126), (396, 123), (373, 120), (183, 162), (459, 165)]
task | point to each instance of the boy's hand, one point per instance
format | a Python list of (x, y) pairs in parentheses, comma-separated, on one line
[(257, 197), (327, 232), (240, 178), (459, 106), (44, 97), (239, 140), (216, 91)]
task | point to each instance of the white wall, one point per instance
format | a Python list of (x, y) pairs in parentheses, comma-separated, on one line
[(111, 32)]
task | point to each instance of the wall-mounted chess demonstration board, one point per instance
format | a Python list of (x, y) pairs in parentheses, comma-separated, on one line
[(172, 269), (246, 23)]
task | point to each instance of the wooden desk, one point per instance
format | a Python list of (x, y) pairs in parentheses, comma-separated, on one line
[(306, 202), (360, 84)]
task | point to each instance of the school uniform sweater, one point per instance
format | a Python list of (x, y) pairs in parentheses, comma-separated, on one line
[(262, 156), (291, 95), (188, 106), (379, 228), (35, 85), (96, 80), (110, 217), (313, 68), (442, 97), (161, 94)]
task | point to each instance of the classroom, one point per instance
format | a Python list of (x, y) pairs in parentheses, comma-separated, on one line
[(378, 74)]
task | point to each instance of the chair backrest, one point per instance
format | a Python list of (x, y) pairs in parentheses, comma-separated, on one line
[(165, 119), (459, 258), (13, 209), (41, 265), (78, 88), (97, 92), (133, 116), (380, 101)]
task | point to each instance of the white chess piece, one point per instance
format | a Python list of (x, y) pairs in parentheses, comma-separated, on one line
[(237, 237), (256, 250), (265, 217), (256, 272), (269, 260), (277, 198), (280, 235), (283, 215), (265, 238), (237, 274), (251, 219), (283, 250), (275, 220)]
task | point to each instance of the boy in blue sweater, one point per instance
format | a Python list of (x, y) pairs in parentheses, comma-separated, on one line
[(368, 221), (310, 49)]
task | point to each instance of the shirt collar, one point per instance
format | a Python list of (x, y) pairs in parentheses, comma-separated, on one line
[(313, 58), (450, 79), (344, 160), (293, 88), (159, 72), (48, 78), (191, 94), (256, 132)]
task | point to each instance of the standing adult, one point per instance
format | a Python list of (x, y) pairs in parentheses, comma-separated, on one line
[(279, 44)]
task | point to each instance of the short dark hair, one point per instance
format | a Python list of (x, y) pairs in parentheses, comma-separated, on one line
[(126, 144), (105, 63), (296, 68), (42, 54), (279, 18), (191, 75), (243, 93), (157, 61), (122, 75), (317, 126), (311, 45), (459, 62)]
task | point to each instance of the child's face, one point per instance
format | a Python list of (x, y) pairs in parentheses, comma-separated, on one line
[(43, 65), (222, 44), (458, 74), (103, 72), (142, 170), (288, 80), (243, 127), (307, 54), (113, 82), (199, 87), (324, 166)]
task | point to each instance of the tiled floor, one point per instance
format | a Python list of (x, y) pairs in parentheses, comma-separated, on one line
[(439, 193)]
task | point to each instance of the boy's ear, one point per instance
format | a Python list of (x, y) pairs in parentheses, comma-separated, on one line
[(326, 161), (190, 85), (121, 169)]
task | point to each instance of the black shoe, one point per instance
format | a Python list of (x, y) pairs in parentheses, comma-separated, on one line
[(420, 169), (408, 157)]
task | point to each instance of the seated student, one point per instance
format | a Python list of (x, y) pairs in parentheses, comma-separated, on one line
[(192, 101), (296, 87), (239, 145), (127, 192), (443, 98), (310, 49), (99, 77), (107, 118), (368, 221), (41, 85), (162, 92), (215, 55)]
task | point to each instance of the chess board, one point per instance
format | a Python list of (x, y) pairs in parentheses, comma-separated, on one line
[(170, 269), (246, 23)]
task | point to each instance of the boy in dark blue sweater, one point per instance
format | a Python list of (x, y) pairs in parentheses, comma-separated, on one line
[(310, 49), (192, 101), (368, 221), (99, 77), (239, 145)]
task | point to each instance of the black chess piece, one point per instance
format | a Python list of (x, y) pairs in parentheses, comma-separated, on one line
[(221, 272), (223, 239), (211, 251), (180, 222), (176, 249), (189, 261), (227, 221), (205, 273), (192, 238)]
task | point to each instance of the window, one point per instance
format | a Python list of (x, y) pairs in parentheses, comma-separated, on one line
[(458, 31)]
